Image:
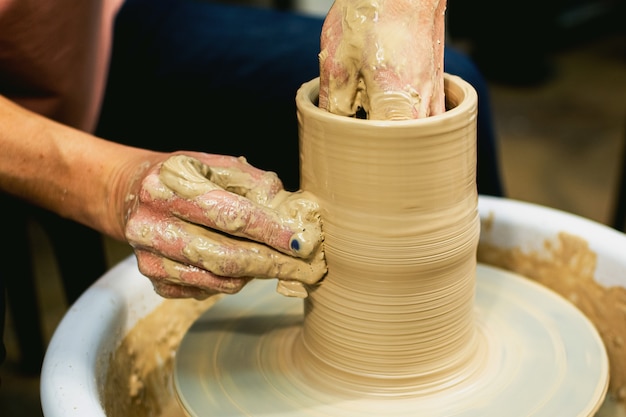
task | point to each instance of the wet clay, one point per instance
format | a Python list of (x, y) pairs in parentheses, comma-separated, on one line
[(359, 334), (567, 266), (362, 69), (238, 359), (401, 235), (232, 202), (399, 207), (135, 364), (139, 374), (187, 177)]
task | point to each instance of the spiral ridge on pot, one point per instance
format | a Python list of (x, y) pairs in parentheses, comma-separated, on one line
[(394, 315)]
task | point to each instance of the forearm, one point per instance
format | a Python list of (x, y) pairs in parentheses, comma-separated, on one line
[(67, 171)]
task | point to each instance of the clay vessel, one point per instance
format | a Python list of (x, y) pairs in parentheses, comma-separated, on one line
[(399, 208)]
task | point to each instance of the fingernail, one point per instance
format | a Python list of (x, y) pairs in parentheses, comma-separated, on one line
[(294, 244)]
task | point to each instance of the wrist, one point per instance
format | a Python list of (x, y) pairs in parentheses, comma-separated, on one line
[(123, 189)]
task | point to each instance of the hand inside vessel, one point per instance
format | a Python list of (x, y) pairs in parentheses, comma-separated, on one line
[(384, 57), (203, 224)]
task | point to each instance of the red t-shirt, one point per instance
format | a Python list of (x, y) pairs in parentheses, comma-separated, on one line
[(54, 56)]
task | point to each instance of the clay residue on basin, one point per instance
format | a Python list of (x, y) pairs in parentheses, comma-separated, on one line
[(567, 265), (139, 376)]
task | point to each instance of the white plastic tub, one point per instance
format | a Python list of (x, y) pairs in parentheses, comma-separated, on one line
[(516, 235)]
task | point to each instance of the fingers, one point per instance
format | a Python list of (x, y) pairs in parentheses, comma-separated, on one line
[(218, 254), (333, 73), (199, 230), (238, 216), (260, 188), (173, 279), (288, 222), (341, 59), (191, 171), (383, 57), (300, 212)]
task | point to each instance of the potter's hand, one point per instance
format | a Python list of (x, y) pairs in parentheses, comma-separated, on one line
[(384, 56), (209, 223)]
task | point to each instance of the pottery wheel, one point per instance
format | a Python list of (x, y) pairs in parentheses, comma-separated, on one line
[(544, 359)]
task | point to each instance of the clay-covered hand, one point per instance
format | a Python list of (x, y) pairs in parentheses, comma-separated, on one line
[(203, 224), (384, 57)]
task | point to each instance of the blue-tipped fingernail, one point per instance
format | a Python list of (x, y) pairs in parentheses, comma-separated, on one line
[(295, 244)]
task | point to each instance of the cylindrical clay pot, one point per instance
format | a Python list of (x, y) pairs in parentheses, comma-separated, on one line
[(398, 201)]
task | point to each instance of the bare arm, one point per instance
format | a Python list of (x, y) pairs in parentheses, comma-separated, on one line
[(69, 172), (200, 223)]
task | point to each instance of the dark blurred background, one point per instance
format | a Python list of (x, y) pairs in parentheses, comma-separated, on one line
[(513, 42)]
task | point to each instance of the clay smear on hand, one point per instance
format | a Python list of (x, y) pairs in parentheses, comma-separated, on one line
[(219, 225), (383, 59)]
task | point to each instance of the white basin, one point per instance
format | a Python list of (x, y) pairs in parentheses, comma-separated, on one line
[(79, 355)]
